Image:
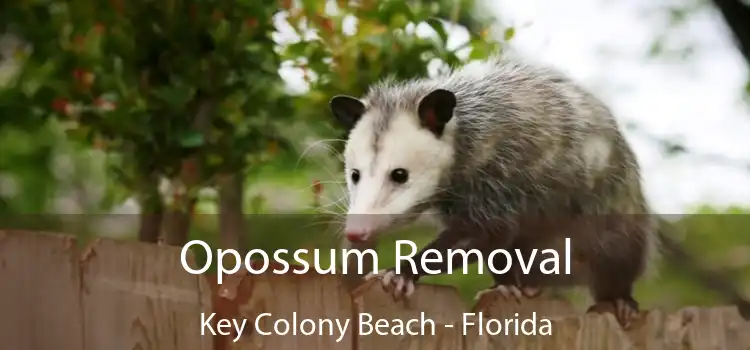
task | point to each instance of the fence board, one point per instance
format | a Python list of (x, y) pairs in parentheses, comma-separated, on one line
[(441, 304), (491, 306), (128, 295), (39, 291), (310, 296), (715, 328), (138, 296)]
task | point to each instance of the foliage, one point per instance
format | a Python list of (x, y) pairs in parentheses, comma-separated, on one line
[(188, 90), (180, 90), (354, 46), (133, 78)]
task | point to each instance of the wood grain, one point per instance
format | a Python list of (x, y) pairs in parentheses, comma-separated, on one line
[(138, 296), (126, 295), (39, 292), (440, 304), (310, 298)]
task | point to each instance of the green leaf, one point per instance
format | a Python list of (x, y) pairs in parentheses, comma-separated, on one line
[(296, 49), (192, 139), (174, 96), (478, 51), (388, 9), (438, 26), (399, 20), (221, 32), (509, 33)]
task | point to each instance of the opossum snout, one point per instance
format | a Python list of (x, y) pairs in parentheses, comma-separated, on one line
[(361, 227), (356, 236)]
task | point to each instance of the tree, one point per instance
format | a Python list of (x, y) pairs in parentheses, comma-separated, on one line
[(190, 92), (182, 91)]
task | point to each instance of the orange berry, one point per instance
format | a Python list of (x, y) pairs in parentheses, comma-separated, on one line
[(327, 25), (99, 28), (251, 22), (317, 187), (60, 104)]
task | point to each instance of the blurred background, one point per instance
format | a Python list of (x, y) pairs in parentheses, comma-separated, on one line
[(166, 121)]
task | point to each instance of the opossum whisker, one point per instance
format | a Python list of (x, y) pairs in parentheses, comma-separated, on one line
[(330, 173), (330, 182), (324, 210), (338, 203), (324, 144)]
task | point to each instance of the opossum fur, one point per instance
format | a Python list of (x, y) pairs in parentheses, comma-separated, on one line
[(509, 155)]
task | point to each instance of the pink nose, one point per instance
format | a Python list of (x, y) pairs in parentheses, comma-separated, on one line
[(353, 236)]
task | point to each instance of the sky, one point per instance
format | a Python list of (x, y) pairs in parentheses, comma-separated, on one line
[(604, 44)]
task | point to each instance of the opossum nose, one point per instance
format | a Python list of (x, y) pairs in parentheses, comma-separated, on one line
[(355, 236)]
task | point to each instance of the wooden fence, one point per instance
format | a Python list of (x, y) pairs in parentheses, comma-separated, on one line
[(112, 295)]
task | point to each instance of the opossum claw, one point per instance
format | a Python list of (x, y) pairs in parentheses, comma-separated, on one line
[(624, 310), (372, 275), (400, 286), (505, 291), (510, 291)]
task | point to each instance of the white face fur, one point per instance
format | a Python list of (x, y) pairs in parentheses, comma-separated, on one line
[(388, 182)]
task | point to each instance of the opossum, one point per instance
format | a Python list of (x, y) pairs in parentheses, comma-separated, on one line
[(508, 155)]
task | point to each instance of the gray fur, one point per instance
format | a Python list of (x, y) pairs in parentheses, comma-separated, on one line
[(519, 136), (522, 177), (520, 133)]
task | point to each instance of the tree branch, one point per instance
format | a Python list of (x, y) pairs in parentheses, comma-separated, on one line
[(232, 228), (177, 221)]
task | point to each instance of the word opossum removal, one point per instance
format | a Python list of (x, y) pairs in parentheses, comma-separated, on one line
[(506, 155), (257, 261)]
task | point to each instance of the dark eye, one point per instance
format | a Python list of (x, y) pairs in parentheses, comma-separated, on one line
[(399, 175), (355, 176)]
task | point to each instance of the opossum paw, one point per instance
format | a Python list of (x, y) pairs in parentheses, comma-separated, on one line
[(510, 292), (399, 285), (625, 310)]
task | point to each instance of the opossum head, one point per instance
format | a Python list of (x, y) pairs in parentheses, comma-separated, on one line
[(395, 157)]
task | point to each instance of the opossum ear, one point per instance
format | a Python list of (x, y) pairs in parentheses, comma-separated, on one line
[(347, 110), (436, 109)]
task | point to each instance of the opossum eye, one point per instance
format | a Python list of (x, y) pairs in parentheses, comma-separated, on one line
[(399, 175), (355, 176)]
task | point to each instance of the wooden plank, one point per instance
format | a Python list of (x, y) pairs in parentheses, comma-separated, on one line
[(138, 296), (309, 298), (652, 332), (129, 295), (529, 316), (440, 304), (587, 332), (714, 328), (543, 306), (39, 292)]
